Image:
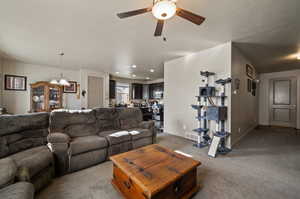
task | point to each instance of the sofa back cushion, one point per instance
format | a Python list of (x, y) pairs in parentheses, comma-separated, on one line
[(21, 132), (130, 117), (73, 123), (107, 119)]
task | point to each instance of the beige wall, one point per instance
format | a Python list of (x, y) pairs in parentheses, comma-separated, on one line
[(264, 94), (182, 81), (18, 102), (244, 106)]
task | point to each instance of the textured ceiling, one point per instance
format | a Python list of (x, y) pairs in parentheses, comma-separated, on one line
[(274, 50), (91, 35)]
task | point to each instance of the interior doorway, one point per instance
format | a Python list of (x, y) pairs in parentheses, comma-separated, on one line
[(95, 92), (283, 100)]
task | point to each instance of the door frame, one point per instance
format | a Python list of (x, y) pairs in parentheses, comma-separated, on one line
[(271, 96)]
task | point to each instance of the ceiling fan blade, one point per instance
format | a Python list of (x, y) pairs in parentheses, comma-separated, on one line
[(196, 19), (134, 12), (159, 28)]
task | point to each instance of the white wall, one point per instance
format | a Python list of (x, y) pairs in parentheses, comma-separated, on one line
[(18, 102), (264, 94), (182, 81), (244, 106)]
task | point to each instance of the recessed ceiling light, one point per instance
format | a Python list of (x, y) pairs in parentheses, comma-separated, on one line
[(152, 70), (133, 66), (147, 77), (117, 72), (133, 75)]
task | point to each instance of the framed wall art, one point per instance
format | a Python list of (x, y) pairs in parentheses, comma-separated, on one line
[(15, 83), (72, 88)]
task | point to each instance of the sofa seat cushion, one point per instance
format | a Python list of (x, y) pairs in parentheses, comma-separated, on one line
[(116, 136), (8, 170), (87, 143), (32, 161), (137, 133), (20, 190)]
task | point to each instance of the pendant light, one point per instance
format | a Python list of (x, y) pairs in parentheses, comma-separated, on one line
[(60, 81)]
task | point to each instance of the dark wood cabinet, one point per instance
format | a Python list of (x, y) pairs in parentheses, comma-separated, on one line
[(156, 91), (137, 91), (112, 89)]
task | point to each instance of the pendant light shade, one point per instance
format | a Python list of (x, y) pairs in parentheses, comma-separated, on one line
[(64, 82), (54, 81), (60, 81)]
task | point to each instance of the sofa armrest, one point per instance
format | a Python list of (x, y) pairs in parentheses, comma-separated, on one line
[(59, 145), (151, 126), (8, 170), (58, 138), (146, 124)]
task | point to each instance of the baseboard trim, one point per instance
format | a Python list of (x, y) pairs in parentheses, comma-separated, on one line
[(244, 134)]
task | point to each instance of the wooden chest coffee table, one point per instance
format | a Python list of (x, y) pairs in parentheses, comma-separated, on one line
[(154, 172)]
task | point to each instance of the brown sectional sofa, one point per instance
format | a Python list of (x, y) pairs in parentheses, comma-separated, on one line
[(80, 139), (34, 147), (23, 152)]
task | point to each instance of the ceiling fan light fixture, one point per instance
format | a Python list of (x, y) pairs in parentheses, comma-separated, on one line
[(163, 10)]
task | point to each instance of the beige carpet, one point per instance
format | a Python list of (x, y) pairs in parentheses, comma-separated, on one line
[(265, 164)]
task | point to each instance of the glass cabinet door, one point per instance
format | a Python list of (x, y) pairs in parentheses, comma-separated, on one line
[(54, 98), (38, 99)]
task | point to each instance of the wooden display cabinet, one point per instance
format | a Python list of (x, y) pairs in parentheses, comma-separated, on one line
[(45, 97)]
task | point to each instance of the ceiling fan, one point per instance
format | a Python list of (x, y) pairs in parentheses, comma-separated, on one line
[(163, 10)]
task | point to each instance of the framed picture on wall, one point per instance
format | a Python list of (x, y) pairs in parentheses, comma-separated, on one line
[(249, 71), (15, 83), (72, 88)]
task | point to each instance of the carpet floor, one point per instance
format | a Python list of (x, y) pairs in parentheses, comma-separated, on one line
[(264, 164)]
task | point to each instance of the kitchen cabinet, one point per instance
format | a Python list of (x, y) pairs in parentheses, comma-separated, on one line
[(137, 91)]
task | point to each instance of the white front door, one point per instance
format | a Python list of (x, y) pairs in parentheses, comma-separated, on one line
[(95, 92), (283, 99)]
